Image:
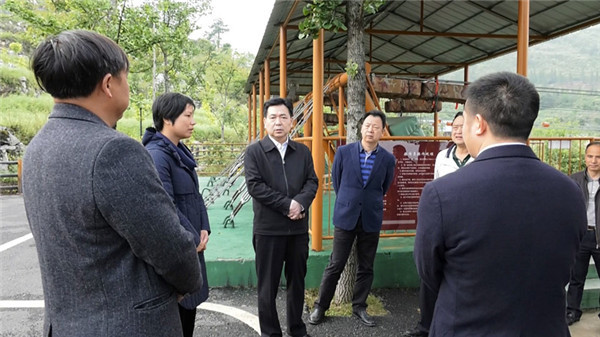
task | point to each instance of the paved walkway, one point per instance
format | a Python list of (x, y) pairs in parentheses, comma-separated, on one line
[(228, 312)]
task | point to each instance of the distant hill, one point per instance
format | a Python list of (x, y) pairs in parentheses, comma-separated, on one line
[(558, 68), (570, 61)]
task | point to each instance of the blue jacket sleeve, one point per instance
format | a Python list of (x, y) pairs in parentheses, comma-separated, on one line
[(336, 170), (205, 224), (164, 173), (389, 175)]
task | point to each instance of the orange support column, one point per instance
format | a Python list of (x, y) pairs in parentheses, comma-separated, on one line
[(318, 154), (341, 120), (282, 61), (253, 111), (249, 119), (267, 80), (436, 115), (261, 103), (523, 37)]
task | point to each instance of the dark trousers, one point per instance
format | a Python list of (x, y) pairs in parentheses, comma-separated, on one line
[(366, 247), (271, 253), (579, 272), (427, 298), (188, 320)]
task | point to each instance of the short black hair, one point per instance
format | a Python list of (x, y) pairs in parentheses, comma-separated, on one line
[(278, 101), (458, 114), (169, 106), (72, 63), (594, 143), (507, 101), (374, 113)]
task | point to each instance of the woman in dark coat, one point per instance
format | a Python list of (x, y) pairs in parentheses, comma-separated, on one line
[(173, 116)]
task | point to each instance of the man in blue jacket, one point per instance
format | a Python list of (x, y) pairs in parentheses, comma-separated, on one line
[(362, 173)]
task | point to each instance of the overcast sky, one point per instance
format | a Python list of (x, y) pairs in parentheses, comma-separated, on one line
[(246, 20)]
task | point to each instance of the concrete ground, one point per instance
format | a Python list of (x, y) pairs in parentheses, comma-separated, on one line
[(228, 312), (588, 326)]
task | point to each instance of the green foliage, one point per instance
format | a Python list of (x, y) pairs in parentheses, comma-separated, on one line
[(374, 303), (372, 6), (25, 115), (223, 94), (11, 80), (329, 15), (154, 34), (15, 47), (351, 69), (14, 60), (325, 14), (131, 126), (564, 155)]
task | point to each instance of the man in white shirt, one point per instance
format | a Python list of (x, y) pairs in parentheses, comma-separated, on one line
[(457, 155)]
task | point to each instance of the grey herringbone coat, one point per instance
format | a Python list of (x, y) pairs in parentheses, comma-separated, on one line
[(99, 217)]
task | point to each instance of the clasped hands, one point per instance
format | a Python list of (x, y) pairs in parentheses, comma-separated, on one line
[(296, 212)]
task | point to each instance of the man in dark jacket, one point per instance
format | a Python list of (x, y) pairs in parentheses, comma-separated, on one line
[(282, 182), (96, 207), (588, 183), (496, 240)]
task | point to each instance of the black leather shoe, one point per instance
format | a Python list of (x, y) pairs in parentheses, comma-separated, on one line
[(316, 317), (572, 318), (364, 318), (415, 333)]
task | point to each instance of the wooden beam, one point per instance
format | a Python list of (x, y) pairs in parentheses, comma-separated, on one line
[(440, 34), (402, 63)]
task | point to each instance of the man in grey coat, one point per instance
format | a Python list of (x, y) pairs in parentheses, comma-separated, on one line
[(96, 207)]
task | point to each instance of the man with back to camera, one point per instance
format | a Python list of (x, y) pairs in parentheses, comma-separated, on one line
[(282, 182), (499, 253), (361, 174), (588, 184), (446, 162), (95, 204)]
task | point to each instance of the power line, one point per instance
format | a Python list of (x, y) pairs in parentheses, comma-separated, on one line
[(568, 91)]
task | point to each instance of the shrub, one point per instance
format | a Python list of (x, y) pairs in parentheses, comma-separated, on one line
[(25, 115)]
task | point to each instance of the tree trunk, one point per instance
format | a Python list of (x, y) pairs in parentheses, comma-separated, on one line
[(166, 70), (356, 110)]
